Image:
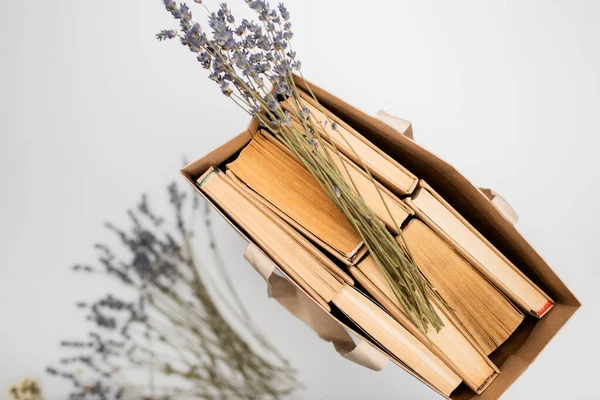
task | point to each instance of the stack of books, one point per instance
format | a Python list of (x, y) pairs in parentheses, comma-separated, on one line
[(278, 204)]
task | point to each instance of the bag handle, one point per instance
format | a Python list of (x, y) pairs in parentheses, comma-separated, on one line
[(405, 128), (304, 308), (324, 324)]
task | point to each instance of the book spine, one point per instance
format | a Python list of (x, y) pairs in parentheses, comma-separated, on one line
[(396, 339)]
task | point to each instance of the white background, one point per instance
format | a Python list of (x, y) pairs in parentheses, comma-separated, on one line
[(95, 111)]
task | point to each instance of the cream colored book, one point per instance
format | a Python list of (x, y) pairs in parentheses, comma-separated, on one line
[(442, 218), (384, 204), (356, 147), (481, 308), (452, 343), (303, 263)]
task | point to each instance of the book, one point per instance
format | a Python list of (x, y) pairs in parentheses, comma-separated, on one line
[(481, 308), (316, 275), (445, 220), (356, 147), (384, 204), (453, 344), (296, 196)]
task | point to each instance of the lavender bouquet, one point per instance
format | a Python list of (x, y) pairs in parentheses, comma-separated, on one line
[(160, 334), (254, 65)]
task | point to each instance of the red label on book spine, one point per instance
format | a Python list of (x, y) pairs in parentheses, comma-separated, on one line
[(546, 306)]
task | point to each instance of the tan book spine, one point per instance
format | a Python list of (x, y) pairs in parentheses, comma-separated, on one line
[(356, 147), (395, 338)]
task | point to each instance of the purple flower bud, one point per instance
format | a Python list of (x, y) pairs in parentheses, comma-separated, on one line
[(283, 11), (166, 34), (170, 5), (204, 59), (304, 113), (225, 89), (286, 120)]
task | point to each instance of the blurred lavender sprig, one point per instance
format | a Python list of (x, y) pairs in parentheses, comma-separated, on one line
[(164, 324)]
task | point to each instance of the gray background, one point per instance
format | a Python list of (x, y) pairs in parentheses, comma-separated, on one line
[(95, 111)]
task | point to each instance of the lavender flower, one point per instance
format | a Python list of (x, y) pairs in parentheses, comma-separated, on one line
[(280, 40), (170, 5), (204, 59), (286, 120), (245, 60), (166, 34), (226, 89), (226, 13), (272, 105), (283, 11), (304, 112)]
